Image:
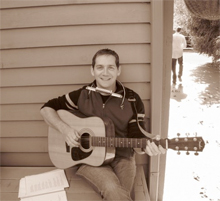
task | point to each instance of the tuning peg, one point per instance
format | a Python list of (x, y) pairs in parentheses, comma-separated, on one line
[(195, 139), (187, 134), (177, 139), (177, 148), (196, 154), (186, 148)]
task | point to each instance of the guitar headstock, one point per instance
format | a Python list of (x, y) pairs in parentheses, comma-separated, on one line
[(187, 144)]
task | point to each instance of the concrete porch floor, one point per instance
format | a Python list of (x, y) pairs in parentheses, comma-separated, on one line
[(195, 108)]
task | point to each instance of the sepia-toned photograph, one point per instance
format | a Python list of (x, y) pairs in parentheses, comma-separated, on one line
[(114, 100)]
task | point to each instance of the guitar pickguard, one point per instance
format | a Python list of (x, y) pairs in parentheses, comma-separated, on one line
[(77, 154)]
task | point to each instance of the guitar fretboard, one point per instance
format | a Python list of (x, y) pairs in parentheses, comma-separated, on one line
[(119, 142)]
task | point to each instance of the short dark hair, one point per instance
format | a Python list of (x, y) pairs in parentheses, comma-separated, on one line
[(178, 29), (106, 52)]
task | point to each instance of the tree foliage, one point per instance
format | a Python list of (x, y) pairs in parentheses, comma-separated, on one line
[(180, 16), (205, 34)]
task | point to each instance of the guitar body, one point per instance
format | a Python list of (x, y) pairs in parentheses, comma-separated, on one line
[(98, 142), (63, 156)]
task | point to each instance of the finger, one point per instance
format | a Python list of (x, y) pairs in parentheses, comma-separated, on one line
[(162, 150), (72, 142), (73, 136), (148, 151), (153, 148), (157, 137), (77, 135), (76, 144)]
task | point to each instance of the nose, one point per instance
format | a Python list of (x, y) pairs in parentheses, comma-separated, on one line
[(105, 71)]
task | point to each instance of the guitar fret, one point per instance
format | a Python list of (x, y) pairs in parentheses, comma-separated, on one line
[(103, 142), (112, 142), (99, 141), (118, 142)]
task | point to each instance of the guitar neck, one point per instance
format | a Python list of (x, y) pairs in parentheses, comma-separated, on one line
[(180, 144), (125, 142)]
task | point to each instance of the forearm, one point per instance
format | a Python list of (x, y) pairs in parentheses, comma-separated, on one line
[(52, 119)]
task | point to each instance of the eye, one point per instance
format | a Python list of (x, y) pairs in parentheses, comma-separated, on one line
[(111, 68), (99, 67)]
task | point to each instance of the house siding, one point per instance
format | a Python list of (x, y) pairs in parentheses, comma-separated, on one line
[(46, 51)]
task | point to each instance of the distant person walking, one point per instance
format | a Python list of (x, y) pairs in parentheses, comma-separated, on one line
[(179, 43)]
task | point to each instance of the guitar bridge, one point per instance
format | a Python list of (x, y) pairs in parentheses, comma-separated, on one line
[(67, 148)]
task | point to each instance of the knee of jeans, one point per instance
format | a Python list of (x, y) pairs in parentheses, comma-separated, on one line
[(110, 186)]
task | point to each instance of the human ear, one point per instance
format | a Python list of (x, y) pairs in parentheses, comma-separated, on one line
[(92, 70), (119, 70)]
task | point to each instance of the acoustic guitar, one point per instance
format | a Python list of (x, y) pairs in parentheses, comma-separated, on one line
[(98, 142)]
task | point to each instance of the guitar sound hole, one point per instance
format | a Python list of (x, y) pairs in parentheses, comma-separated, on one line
[(78, 153), (85, 140)]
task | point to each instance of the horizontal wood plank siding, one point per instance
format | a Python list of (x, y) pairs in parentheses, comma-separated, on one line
[(75, 15), (68, 75), (11, 129), (27, 112), (46, 51), (24, 128), (71, 35), (25, 159), (69, 55), (33, 3), (26, 145), (40, 94)]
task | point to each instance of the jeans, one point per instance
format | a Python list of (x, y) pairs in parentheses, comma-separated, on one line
[(113, 181), (180, 62)]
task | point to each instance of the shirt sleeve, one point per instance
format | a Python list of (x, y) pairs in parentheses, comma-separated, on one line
[(66, 102), (139, 105), (133, 128)]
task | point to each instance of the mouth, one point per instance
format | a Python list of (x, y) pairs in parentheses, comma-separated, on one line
[(105, 79)]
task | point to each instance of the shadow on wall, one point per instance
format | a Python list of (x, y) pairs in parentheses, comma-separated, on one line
[(208, 75)]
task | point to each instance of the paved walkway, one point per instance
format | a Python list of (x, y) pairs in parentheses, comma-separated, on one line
[(195, 109)]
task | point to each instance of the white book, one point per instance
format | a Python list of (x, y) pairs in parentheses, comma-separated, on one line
[(44, 187), (56, 196)]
